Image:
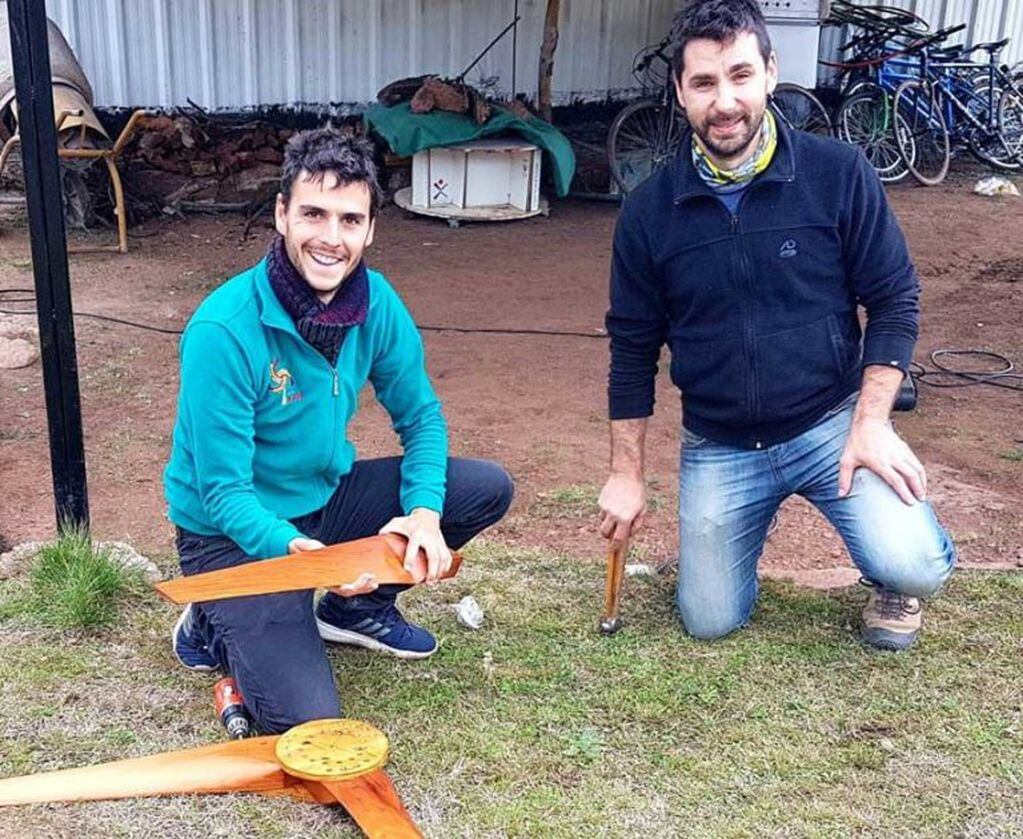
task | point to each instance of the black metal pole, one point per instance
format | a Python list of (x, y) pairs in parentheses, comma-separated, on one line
[(515, 52), (30, 57)]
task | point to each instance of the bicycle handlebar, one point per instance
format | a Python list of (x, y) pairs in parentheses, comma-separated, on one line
[(939, 36), (655, 52)]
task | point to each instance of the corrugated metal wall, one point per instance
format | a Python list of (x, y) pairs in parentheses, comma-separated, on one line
[(230, 54), (986, 20), (236, 53)]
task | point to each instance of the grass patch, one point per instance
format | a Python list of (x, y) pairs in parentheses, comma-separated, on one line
[(75, 585), (1015, 455), (574, 500), (538, 726)]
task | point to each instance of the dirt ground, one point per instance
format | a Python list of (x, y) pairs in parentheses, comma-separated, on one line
[(534, 403)]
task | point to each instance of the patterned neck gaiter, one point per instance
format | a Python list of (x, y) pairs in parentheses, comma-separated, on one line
[(718, 178)]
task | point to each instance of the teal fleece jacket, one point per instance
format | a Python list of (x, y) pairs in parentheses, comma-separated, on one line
[(260, 436)]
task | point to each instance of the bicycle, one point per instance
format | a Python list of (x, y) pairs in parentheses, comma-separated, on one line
[(866, 119), (982, 105), (866, 81), (646, 134), (943, 101)]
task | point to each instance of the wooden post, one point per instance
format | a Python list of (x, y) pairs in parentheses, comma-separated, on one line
[(547, 48)]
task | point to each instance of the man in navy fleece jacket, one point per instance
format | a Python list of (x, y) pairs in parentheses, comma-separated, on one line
[(749, 255)]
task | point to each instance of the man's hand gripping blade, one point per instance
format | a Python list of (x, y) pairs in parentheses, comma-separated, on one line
[(381, 556)]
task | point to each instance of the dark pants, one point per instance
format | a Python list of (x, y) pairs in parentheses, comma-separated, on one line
[(269, 643)]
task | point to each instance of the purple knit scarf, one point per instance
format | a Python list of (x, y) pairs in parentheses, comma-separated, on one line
[(322, 325)]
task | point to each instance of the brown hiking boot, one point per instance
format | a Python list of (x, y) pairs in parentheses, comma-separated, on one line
[(891, 621)]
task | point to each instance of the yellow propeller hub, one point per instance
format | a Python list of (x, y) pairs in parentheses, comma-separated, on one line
[(324, 750)]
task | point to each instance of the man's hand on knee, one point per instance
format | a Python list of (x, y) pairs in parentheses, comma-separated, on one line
[(422, 529), (874, 444), (622, 507)]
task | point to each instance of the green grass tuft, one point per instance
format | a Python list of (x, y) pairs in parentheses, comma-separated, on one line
[(74, 585), (580, 501)]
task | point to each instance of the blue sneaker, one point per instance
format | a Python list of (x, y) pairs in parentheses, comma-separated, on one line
[(188, 648), (383, 629)]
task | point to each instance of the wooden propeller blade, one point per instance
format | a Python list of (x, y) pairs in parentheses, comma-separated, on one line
[(381, 556), (235, 766), (372, 801)]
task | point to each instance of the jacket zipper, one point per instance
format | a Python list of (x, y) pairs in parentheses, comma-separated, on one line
[(335, 392), (748, 337), (747, 283)]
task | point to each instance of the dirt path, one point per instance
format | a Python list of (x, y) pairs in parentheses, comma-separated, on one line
[(534, 403)]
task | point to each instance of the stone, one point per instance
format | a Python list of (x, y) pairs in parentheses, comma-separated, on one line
[(126, 556), (16, 559), (16, 353), (19, 326)]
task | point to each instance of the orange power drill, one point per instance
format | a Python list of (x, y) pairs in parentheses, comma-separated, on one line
[(230, 706)]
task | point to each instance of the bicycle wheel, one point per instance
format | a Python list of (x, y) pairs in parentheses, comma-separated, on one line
[(897, 17), (988, 143), (800, 109), (642, 136), (866, 119), (1010, 124), (928, 155)]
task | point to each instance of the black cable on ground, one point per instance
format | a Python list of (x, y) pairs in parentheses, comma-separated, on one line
[(27, 295), (482, 331), (946, 375), (943, 375)]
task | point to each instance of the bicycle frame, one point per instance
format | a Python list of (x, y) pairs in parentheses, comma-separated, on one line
[(946, 82)]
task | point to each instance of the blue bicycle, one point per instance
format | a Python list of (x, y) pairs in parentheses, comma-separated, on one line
[(948, 99)]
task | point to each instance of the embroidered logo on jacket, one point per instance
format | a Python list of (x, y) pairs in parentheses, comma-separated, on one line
[(788, 249), (281, 382)]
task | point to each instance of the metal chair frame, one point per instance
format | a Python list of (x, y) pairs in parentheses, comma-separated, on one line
[(109, 157)]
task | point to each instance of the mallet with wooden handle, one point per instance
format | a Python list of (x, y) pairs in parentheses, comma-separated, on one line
[(611, 622)]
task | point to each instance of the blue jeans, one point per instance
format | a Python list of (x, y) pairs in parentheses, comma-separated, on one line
[(270, 643), (728, 496)]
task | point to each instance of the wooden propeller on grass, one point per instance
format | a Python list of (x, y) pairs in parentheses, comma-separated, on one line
[(382, 556), (335, 761)]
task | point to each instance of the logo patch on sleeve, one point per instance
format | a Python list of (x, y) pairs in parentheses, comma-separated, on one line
[(788, 249)]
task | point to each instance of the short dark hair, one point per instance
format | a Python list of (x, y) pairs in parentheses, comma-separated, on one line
[(718, 20), (329, 151)]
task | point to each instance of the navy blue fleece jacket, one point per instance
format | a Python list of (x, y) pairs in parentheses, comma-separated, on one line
[(759, 307)]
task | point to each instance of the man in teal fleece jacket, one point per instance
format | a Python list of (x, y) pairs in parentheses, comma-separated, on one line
[(272, 363)]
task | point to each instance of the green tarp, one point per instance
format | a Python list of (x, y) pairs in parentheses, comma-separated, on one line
[(407, 133)]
